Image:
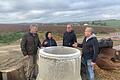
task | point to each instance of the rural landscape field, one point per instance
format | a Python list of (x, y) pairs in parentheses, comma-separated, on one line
[(11, 34), (18, 17)]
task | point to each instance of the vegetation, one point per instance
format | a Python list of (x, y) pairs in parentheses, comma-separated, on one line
[(106, 23), (13, 32), (56, 36), (10, 37)]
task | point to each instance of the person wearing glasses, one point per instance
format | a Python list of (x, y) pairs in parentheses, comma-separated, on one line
[(69, 37)]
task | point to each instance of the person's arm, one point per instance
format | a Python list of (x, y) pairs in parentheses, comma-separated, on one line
[(44, 44), (39, 43), (23, 45), (95, 49), (75, 38), (80, 45), (64, 39), (55, 44)]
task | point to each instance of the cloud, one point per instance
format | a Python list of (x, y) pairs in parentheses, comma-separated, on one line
[(57, 10), (31, 14)]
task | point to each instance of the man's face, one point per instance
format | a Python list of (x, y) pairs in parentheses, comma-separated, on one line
[(34, 29), (87, 33), (69, 28)]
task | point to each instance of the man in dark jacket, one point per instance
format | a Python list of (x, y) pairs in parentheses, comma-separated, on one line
[(90, 47), (69, 37), (29, 46), (90, 50)]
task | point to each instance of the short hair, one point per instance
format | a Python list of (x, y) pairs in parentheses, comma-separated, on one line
[(90, 29), (33, 25), (70, 25)]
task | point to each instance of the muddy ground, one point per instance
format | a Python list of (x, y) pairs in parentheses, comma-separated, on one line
[(11, 53)]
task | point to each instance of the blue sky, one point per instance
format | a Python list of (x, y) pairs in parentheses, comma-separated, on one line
[(16, 11)]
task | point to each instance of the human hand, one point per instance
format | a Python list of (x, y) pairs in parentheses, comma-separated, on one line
[(74, 45), (45, 42), (92, 63)]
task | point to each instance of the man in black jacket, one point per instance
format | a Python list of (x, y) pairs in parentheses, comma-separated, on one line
[(90, 50), (69, 37), (29, 46)]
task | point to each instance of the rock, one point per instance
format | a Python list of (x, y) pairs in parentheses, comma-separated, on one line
[(104, 59)]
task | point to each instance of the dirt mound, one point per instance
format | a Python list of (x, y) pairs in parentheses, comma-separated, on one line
[(101, 74)]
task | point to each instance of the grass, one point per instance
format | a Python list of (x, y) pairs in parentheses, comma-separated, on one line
[(114, 23), (10, 37), (108, 23), (56, 36)]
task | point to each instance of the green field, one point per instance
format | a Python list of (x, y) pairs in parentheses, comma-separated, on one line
[(7, 38), (114, 23), (107, 23)]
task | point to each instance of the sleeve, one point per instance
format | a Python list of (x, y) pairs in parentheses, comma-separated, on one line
[(39, 43), (43, 44), (75, 38), (95, 49), (80, 45), (23, 45), (55, 44), (64, 39)]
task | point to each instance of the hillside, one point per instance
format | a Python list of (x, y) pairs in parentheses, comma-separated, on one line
[(106, 23), (59, 28)]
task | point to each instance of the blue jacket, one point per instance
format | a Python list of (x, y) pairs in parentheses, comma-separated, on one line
[(69, 38), (49, 42)]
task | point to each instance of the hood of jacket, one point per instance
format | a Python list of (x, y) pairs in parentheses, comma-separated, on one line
[(93, 35)]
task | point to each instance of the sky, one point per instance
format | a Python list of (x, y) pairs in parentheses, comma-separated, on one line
[(52, 11)]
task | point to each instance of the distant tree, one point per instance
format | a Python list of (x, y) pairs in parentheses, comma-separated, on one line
[(104, 24), (93, 22)]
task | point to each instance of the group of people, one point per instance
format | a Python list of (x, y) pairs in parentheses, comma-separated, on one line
[(30, 44)]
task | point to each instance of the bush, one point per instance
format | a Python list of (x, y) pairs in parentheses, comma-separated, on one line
[(10, 37)]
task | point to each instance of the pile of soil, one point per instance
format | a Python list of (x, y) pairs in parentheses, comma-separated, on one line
[(101, 74)]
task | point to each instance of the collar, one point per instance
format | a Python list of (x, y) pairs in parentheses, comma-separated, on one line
[(33, 34), (93, 35)]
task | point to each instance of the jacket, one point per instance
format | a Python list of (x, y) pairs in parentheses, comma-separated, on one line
[(30, 44), (90, 48), (49, 42), (69, 38)]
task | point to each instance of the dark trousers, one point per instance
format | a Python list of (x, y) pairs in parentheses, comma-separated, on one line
[(84, 71), (32, 67)]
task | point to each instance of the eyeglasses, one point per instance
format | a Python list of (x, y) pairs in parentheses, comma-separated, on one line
[(68, 27)]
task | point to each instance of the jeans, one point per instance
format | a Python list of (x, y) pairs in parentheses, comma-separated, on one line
[(90, 70)]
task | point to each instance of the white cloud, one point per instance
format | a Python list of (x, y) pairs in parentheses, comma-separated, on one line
[(57, 10), (66, 13), (32, 13)]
